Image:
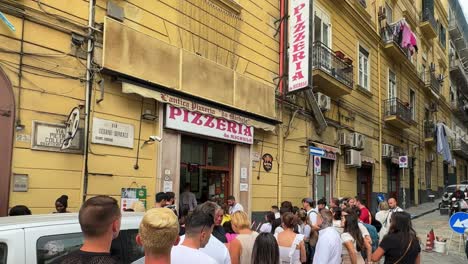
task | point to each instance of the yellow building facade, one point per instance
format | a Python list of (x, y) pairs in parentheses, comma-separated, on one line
[(186, 93)]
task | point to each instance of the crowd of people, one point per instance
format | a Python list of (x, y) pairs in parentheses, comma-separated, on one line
[(343, 231)]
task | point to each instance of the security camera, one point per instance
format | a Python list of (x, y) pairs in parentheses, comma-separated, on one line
[(155, 138), (151, 140)]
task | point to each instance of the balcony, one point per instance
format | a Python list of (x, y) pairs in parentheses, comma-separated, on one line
[(433, 84), (458, 110), (457, 72), (397, 113), (394, 50), (429, 131), (331, 74), (459, 147), (428, 24)]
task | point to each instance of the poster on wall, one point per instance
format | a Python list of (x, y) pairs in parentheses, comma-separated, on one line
[(129, 196)]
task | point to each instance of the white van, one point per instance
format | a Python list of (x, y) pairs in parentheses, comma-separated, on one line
[(44, 238)]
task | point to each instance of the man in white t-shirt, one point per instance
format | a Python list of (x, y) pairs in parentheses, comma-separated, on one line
[(197, 234), (214, 248), (233, 205), (329, 246)]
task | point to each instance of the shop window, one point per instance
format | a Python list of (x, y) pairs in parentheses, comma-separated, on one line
[(49, 248), (218, 154), (3, 253)]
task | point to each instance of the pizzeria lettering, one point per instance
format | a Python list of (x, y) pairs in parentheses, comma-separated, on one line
[(195, 122), (299, 43)]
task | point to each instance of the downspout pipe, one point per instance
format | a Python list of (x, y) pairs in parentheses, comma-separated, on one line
[(380, 118), (282, 80), (88, 92)]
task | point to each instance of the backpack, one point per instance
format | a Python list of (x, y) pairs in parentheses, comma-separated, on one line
[(313, 234), (374, 236)]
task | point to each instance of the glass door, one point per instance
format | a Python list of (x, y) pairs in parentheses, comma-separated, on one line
[(206, 166)]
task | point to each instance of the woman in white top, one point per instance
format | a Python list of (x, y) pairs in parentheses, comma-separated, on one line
[(266, 227), (291, 245), (352, 239), (337, 224), (304, 225), (383, 216)]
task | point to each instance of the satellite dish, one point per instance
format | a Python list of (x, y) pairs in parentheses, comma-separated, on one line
[(72, 124)]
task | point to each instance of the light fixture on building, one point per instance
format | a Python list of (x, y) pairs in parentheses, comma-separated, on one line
[(19, 126), (148, 115)]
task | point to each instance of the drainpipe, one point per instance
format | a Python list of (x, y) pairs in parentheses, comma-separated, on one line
[(282, 71), (89, 85), (380, 119)]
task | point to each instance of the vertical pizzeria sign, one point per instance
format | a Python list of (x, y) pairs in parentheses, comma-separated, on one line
[(299, 45)]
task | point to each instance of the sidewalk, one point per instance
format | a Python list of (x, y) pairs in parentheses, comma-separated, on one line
[(423, 209)]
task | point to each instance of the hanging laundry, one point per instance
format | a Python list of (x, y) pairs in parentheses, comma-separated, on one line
[(442, 142)]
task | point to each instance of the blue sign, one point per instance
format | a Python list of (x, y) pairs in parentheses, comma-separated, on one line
[(459, 222), (317, 151)]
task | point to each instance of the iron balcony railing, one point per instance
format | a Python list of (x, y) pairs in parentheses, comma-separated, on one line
[(433, 83), (428, 16), (395, 107), (429, 129), (325, 59), (388, 36), (459, 145)]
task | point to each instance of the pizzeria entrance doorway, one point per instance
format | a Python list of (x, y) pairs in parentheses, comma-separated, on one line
[(206, 166)]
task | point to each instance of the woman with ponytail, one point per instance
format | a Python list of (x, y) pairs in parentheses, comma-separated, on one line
[(291, 245), (352, 239)]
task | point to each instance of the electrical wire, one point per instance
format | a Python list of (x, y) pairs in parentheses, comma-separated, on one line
[(58, 75)]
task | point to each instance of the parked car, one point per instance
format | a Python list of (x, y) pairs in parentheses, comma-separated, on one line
[(43, 238), (450, 189)]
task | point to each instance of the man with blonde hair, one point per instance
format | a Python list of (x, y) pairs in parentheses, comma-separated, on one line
[(159, 231)]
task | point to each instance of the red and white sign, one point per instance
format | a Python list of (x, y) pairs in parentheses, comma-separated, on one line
[(299, 41), (198, 123)]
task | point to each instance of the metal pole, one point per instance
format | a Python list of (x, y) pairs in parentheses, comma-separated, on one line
[(404, 190), (89, 86)]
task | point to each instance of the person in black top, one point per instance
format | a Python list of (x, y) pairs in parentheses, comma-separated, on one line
[(218, 229), (99, 219), (61, 204), (401, 245), (19, 210)]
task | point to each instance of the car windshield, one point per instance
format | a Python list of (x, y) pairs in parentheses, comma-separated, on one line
[(450, 189)]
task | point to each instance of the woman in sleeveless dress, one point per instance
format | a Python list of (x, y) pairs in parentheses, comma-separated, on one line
[(241, 247), (352, 239), (291, 245)]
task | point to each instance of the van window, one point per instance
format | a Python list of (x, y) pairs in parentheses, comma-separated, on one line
[(133, 250), (3, 253), (125, 249), (49, 248)]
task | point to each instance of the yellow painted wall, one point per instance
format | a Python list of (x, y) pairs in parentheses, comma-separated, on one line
[(242, 42)]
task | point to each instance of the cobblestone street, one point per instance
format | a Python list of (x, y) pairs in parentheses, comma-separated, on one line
[(441, 228)]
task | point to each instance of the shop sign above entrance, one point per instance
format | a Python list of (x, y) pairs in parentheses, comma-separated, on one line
[(207, 125)]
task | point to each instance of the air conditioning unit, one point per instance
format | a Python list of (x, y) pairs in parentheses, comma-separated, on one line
[(353, 158), (345, 139), (323, 101), (357, 140), (387, 150)]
